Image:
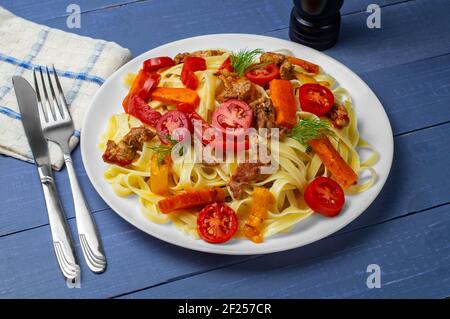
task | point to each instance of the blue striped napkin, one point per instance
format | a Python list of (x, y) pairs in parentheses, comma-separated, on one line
[(82, 64)]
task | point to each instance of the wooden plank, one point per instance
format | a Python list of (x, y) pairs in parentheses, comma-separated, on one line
[(138, 261), (31, 9), (413, 94), (176, 19), (412, 252), (405, 36), (354, 6), (22, 205), (135, 260), (42, 10)]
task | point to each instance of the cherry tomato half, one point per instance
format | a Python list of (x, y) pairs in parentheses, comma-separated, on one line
[(232, 114), (171, 121), (316, 99), (217, 223), (325, 196), (264, 74), (154, 64)]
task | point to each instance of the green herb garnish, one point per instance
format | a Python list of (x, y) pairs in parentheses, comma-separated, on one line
[(309, 129), (243, 60), (163, 150)]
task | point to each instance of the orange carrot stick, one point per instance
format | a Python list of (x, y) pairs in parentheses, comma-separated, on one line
[(191, 199), (340, 170), (283, 100), (175, 96), (306, 65)]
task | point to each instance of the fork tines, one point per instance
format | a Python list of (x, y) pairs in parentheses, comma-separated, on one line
[(60, 112)]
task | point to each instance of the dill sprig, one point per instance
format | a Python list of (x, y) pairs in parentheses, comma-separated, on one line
[(163, 150), (243, 60), (308, 129)]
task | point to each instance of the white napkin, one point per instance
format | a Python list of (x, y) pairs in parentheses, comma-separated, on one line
[(82, 64)]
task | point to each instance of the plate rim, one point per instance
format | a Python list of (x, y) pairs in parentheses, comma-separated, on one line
[(213, 248)]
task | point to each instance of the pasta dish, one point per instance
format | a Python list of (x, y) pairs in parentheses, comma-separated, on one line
[(240, 145)]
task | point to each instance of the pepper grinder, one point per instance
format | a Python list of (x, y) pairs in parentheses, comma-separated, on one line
[(316, 23)]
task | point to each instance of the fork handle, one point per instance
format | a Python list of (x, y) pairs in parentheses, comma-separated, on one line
[(62, 241), (89, 238)]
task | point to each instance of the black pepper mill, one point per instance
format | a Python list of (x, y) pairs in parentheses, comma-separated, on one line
[(316, 23)]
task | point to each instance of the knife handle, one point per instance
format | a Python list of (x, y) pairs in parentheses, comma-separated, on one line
[(62, 241)]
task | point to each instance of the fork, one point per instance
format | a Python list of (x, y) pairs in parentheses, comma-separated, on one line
[(58, 127)]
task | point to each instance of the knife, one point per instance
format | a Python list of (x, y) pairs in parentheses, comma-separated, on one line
[(62, 241)]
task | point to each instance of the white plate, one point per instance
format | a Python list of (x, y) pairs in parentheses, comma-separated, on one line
[(373, 124)]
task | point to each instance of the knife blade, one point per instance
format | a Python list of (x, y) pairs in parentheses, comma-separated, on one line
[(62, 240), (26, 98)]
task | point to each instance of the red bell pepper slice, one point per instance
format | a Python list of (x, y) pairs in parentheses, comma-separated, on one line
[(226, 65), (148, 86), (154, 64), (186, 107), (191, 65), (143, 84), (138, 108), (194, 116)]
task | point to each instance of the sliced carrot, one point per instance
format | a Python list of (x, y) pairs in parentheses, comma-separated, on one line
[(263, 200), (191, 199), (160, 173), (340, 170), (176, 95), (282, 95), (306, 65)]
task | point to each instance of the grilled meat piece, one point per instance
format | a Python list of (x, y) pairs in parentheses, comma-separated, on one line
[(124, 152), (236, 87), (245, 174), (263, 113), (286, 70), (339, 116), (271, 57), (179, 58)]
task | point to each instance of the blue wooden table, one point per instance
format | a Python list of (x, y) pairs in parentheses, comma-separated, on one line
[(406, 231)]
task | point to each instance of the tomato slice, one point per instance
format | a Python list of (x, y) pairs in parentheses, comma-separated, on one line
[(191, 65), (316, 99), (154, 64), (171, 121), (264, 74), (141, 110), (217, 223), (232, 114), (325, 196)]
